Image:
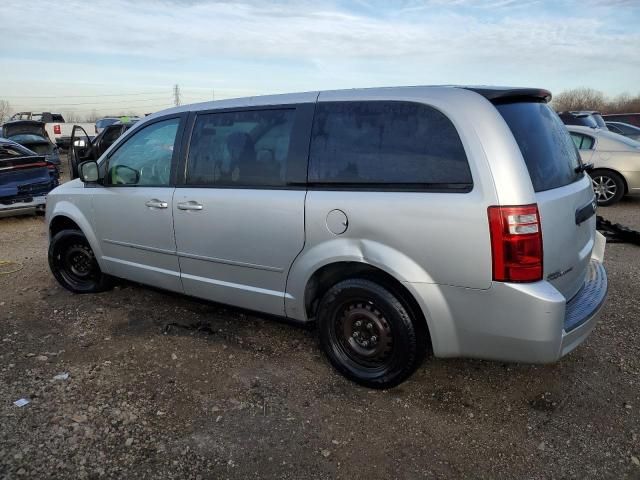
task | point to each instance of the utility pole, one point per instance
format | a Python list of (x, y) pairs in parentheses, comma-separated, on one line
[(176, 95)]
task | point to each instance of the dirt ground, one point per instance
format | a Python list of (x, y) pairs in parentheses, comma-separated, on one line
[(164, 386)]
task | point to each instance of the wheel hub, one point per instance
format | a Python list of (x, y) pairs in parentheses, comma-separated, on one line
[(604, 187), (366, 332), (79, 261)]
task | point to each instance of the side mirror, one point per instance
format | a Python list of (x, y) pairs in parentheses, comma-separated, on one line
[(88, 172)]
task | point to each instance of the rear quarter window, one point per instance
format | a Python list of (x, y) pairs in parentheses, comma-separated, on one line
[(547, 148), (385, 144)]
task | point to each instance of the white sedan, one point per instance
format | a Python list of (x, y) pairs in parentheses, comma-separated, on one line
[(616, 162)]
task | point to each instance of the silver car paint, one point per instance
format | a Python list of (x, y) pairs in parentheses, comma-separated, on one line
[(437, 244), (246, 242)]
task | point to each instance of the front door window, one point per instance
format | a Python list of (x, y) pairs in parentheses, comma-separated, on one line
[(145, 158)]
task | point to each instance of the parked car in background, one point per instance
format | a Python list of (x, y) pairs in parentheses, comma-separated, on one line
[(629, 131), (402, 220), (597, 116), (83, 148), (615, 159), (46, 117), (106, 121), (32, 134), (25, 179), (630, 118), (58, 130), (586, 119)]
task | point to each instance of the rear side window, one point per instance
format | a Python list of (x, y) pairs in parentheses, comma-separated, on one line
[(408, 144), (246, 148), (548, 150), (582, 142)]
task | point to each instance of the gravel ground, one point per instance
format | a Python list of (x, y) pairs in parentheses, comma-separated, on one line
[(164, 386)]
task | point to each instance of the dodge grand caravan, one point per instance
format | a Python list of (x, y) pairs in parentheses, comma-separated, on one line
[(455, 220)]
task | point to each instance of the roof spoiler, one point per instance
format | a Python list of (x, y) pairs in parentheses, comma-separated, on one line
[(506, 95)]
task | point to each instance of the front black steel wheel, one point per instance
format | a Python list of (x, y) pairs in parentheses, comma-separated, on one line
[(368, 334), (74, 265)]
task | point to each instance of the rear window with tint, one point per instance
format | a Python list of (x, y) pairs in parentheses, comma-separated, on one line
[(545, 143), (386, 143)]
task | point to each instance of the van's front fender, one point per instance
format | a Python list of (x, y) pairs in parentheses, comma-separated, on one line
[(78, 211)]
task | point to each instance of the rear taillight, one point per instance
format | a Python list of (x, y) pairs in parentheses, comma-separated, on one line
[(516, 243), (56, 130)]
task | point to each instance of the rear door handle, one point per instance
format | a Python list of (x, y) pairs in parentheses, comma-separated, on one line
[(190, 205), (155, 203)]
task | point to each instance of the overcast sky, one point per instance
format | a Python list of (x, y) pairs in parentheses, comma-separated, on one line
[(60, 56)]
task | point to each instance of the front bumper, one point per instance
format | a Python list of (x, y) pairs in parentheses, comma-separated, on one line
[(23, 207)]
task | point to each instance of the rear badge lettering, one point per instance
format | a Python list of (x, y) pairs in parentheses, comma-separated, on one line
[(554, 275)]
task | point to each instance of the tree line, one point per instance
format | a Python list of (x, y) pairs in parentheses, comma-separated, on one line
[(590, 99), (70, 116)]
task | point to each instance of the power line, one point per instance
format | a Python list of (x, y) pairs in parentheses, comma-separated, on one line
[(110, 102), (83, 96)]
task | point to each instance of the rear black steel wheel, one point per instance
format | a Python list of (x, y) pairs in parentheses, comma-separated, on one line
[(74, 265), (368, 334)]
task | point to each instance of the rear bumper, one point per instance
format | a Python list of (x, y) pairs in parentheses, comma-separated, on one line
[(582, 311), (23, 207), (527, 322)]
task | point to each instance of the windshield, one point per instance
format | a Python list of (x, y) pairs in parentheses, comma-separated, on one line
[(547, 148), (28, 137), (105, 122), (599, 120)]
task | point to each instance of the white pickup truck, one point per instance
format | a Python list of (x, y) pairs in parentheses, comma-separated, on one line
[(58, 130)]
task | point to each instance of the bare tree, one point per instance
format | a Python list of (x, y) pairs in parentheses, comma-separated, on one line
[(5, 110), (92, 117), (71, 117), (624, 103), (579, 99)]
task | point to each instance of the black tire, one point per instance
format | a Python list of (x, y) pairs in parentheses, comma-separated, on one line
[(608, 186), (400, 342), (74, 265)]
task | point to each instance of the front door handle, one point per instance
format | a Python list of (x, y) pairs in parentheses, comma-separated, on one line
[(155, 203), (190, 205)]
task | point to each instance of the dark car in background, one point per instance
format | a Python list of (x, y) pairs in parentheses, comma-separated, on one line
[(32, 134), (106, 121), (621, 128), (630, 118), (84, 148), (584, 118), (25, 179)]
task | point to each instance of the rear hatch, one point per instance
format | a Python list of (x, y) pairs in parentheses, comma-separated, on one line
[(23, 178), (20, 127), (562, 190), (35, 143)]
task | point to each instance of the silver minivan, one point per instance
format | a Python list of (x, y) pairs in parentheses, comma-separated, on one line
[(451, 220)]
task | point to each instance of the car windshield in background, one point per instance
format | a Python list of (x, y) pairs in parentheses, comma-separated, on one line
[(550, 154), (599, 120), (105, 122), (28, 137), (41, 148)]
